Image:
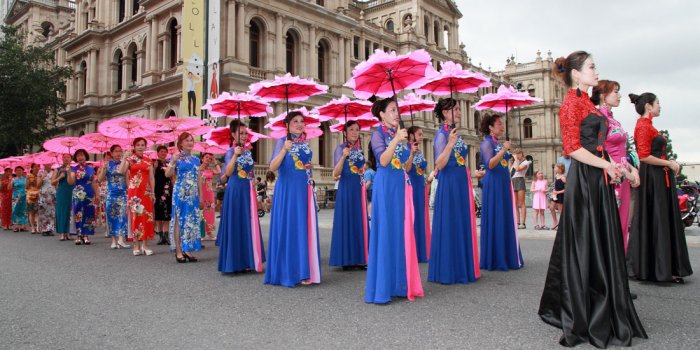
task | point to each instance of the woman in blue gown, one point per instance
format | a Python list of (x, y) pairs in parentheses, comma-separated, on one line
[(115, 198), (186, 217), (392, 269), (239, 239), (500, 248), (85, 197), (416, 169), (454, 256), (350, 232), (294, 253)]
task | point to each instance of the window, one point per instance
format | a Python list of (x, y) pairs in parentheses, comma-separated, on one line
[(527, 128), (368, 48), (291, 52), (134, 64), (83, 79), (46, 29), (389, 25), (531, 90), (426, 27), (117, 77), (477, 120), (170, 113), (173, 43), (356, 47), (121, 11), (323, 53), (135, 7), (436, 32), (320, 2), (254, 44), (446, 37)]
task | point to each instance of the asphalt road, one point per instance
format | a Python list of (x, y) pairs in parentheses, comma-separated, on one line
[(55, 295)]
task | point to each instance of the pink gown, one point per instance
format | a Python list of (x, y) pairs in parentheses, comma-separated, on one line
[(616, 145), (208, 202)]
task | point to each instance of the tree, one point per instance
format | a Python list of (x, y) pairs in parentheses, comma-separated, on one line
[(670, 155), (32, 93)]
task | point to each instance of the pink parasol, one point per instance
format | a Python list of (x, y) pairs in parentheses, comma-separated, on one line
[(310, 120), (505, 99), (47, 157), (365, 124), (65, 144), (13, 162), (199, 130), (310, 131), (126, 128), (99, 143), (287, 88), (154, 154), (160, 138), (383, 74), (452, 78), (237, 105), (411, 103), (203, 147), (222, 136), (345, 108), (172, 124)]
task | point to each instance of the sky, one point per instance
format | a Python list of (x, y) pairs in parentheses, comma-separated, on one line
[(647, 46)]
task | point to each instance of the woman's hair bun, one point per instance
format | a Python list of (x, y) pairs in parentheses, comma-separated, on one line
[(634, 98)]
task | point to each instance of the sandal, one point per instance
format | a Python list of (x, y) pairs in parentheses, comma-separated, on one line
[(181, 260), (137, 252), (78, 241), (537, 227), (86, 241)]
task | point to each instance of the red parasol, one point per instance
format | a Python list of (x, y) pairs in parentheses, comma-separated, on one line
[(411, 103), (505, 99), (452, 78)]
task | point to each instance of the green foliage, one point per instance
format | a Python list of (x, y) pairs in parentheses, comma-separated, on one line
[(32, 93), (670, 155)]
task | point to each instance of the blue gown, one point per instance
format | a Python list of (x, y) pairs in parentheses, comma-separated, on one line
[(350, 231), (84, 200), (500, 249), (115, 203), (392, 269), (19, 201), (421, 219), (64, 196), (293, 248), (454, 255), (239, 239), (186, 213)]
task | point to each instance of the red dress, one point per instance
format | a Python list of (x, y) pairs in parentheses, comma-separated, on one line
[(140, 201), (5, 202)]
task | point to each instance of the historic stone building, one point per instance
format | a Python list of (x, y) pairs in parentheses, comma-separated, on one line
[(127, 58)]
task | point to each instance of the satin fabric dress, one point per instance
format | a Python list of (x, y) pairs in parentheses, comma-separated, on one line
[(239, 237), (454, 254), (19, 201), (47, 203), (6, 201), (293, 249), (141, 225), (500, 245), (186, 212), (349, 240), (657, 248), (84, 200), (392, 269), (208, 202), (421, 217), (64, 198), (586, 293), (115, 200)]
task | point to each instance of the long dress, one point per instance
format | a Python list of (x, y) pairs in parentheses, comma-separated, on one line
[(421, 217), (500, 247), (163, 191), (586, 293), (115, 200), (616, 145), (392, 269), (657, 246), (64, 197), (47, 203), (350, 226), (294, 253), (19, 201), (101, 215), (186, 214), (139, 199), (239, 237), (454, 255), (6, 201), (84, 200), (208, 202)]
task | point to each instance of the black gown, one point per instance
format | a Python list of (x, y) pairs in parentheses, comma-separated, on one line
[(163, 192), (657, 248), (586, 292)]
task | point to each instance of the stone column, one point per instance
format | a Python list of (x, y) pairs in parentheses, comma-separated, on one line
[(431, 28), (348, 69), (127, 10), (179, 45), (93, 74), (240, 27), (139, 66), (361, 55), (126, 72), (340, 75), (70, 97), (166, 50), (231, 31), (313, 53), (280, 52), (153, 46)]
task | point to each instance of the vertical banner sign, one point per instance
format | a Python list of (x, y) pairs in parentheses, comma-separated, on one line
[(214, 47), (193, 13)]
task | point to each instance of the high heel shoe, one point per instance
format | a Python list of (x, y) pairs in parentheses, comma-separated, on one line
[(190, 258), (123, 245), (181, 260)]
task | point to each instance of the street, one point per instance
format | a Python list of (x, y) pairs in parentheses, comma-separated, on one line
[(55, 295)]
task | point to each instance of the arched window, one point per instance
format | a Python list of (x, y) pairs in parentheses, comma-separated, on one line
[(436, 33), (135, 7), (83, 79), (255, 40), (171, 113), (323, 54), (118, 83), (121, 11), (477, 120), (46, 29), (531, 90), (446, 37), (527, 128), (389, 25), (291, 52), (356, 47), (173, 42), (133, 65), (426, 27)]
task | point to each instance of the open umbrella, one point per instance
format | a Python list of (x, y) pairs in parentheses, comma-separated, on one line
[(365, 124), (237, 106), (203, 147), (99, 143), (345, 108), (47, 157), (198, 130), (13, 162), (222, 136), (126, 128), (412, 103), (505, 99), (161, 138), (64, 144), (452, 78), (311, 132)]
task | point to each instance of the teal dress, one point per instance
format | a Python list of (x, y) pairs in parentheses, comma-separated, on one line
[(64, 202), (19, 201)]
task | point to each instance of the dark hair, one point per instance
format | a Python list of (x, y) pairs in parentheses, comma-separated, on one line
[(443, 104), (381, 106), (640, 101), (371, 159), (137, 140), (601, 90), (413, 130), (269, 176), (160, 148), (233, 128), (19, 167), (107, 154), (184, 136), (258, 178), (84, 152), (486, 122), (206, 154), (564, 66), (113, 147), (291, 115)]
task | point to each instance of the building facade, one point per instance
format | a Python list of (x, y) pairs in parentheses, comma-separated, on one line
[(127, 55)]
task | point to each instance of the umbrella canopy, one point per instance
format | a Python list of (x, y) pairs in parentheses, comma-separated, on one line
[(47, 157), (412, 104), (222, 136), (310, 131), (98, 143), (365, 124), (452, 78), (172, 124), (65, 144), (203, 147), (126, 128), (197, 131), (344, 108), (161, 138), (383, 74), (310, 120), (13, 162), (505, 99), (237, 105), (287, 88)]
